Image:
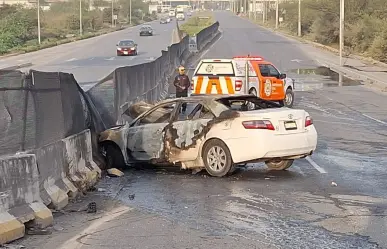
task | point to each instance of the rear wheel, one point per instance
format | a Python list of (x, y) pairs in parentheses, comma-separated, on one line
[(217, 158), (253, 92), (289, 98), (279, 164)]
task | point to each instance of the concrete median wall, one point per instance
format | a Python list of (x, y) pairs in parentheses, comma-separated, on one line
[(20, 200), (46, 177)]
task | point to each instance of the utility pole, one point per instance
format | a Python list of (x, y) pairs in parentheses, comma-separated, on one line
[(130, 12), (38, 21), (245, 7), (112, 15), (264, 12), (276, 13), (80, 18), (255, 10), (299, 18), (341, 31)]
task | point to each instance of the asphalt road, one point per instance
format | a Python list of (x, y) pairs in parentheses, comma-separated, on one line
[(337, 198), (93, 59)]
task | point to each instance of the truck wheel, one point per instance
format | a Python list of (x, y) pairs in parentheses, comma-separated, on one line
[(289, 98), (217, 158), (279, 164)]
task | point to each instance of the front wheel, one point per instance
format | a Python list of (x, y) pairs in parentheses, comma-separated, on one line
[(279, 164), (217, 158), (114, 157)]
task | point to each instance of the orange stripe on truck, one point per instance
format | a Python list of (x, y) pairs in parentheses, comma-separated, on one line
[(199, 84), (230, 87)]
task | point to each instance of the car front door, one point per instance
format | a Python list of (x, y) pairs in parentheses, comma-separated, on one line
[(146, 135)]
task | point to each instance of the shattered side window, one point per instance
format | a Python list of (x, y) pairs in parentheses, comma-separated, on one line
[(161, 114), (194, 111)]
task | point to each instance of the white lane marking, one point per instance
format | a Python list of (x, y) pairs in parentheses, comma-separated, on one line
[(110, 59), (72, 59), (92, 58), (374, 119), (315, 165), (93, 227), (298, 170)]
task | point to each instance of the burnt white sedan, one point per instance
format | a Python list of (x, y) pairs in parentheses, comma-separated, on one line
[(212, 132)]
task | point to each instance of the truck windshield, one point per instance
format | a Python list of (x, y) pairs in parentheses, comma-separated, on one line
[(215, 68)]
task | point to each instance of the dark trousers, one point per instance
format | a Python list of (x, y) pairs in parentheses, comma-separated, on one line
[(181, 95)]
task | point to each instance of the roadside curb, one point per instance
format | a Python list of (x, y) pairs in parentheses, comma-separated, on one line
[(17, 66)]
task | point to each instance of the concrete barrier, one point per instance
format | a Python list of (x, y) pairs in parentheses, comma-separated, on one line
[(82, 170), (55, 186), (20, 200)]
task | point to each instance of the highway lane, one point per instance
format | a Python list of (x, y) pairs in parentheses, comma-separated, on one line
[(92, 59), (336, 198)]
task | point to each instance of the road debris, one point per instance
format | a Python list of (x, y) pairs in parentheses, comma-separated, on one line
[(115, 172), (334, 184), (92, 207), (131, 197), (36, 231)]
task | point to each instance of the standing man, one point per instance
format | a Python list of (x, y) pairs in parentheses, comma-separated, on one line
[(182, 84)]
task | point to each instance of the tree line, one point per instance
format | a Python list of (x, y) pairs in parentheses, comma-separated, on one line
[(60, 20), (365, 24)]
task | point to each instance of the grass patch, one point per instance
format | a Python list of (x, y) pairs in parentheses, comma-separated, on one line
[(197, 22)]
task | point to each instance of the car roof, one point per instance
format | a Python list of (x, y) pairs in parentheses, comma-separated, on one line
[(127, 40), (208, 97)]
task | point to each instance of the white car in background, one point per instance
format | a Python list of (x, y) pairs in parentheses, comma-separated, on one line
[(216, 132)]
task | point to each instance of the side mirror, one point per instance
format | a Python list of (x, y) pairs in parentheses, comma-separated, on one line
[(117, 45), (282, 76)]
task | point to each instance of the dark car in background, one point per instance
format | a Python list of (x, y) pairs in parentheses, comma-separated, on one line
[(146, 30), (126, 47), (163, 21)]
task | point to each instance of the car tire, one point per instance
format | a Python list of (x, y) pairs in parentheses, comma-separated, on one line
[(114, 157), (217, 148), (289, 98), (279, 164)]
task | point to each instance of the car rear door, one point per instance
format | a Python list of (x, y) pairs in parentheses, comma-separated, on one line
[(187, 131)]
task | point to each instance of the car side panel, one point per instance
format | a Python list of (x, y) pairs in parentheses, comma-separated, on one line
[(146, 141), (186, 139)]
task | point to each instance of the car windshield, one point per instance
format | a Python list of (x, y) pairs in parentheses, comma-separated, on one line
[(126, 43), (247, 103), (145, 28)]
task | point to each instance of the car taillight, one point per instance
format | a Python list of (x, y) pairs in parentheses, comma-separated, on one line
[(258, 124), (238, 85), (308, 121)]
